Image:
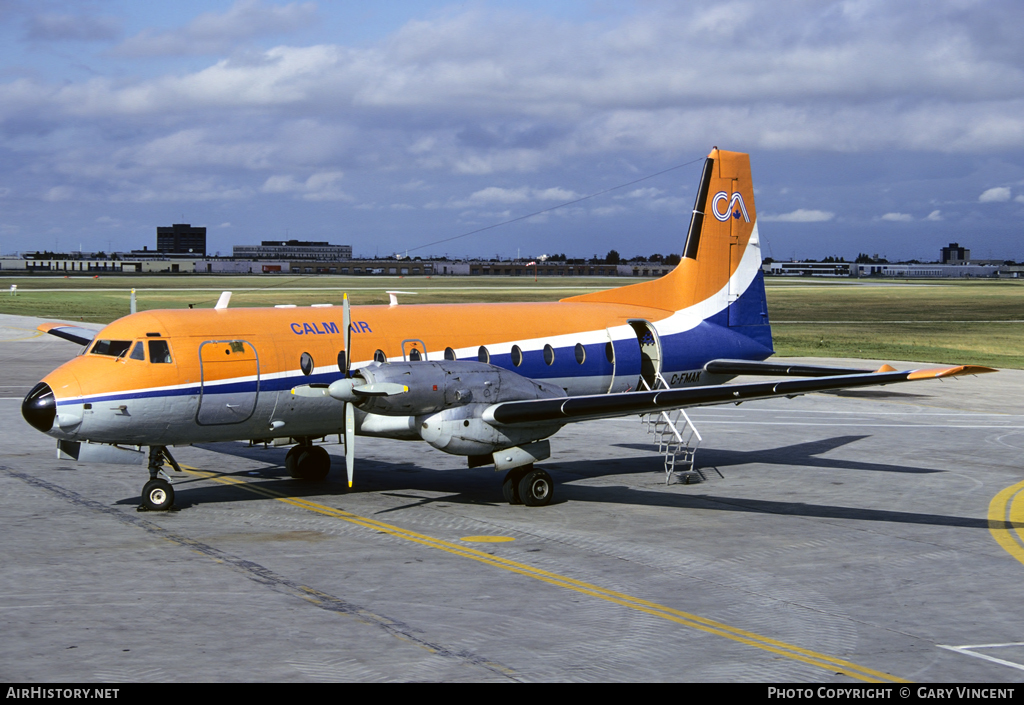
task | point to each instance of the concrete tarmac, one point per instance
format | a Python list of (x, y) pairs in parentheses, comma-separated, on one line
[(845, 537)]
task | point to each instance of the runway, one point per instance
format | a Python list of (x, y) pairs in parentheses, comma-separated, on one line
[(867, 535)]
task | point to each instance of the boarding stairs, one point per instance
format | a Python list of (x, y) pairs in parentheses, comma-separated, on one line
[(676, 436)]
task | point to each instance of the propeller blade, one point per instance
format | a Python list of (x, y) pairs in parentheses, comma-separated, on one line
[(350, 442), (346, 320), (313, 391)]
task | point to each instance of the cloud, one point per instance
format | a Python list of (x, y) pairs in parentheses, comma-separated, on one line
[(1018, 199), (212, 33), (322, 186), (934, 216), (800, 215), (506, 196), (897, 217), (997, 194), (473, 103)]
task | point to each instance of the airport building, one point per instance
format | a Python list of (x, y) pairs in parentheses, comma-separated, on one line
[(293, 250), (181, 239), (954, 254)]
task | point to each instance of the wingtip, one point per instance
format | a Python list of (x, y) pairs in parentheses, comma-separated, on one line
[(959, 371)]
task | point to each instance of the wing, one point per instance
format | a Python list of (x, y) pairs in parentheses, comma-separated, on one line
[(747, 367), (82, 336), (600, 406)]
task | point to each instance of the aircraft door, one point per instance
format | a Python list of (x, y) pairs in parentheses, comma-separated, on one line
[(650, 353), (625, 358), (230, 382)]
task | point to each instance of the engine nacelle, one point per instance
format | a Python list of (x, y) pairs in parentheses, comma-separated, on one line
[(436, 386), (461, 431)]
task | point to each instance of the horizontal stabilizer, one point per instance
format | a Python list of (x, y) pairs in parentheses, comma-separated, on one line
[(747, 367), (82, 336), (600, 406)]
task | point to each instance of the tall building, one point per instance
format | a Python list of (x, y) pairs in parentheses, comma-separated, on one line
[(181, 239), (954, 254)]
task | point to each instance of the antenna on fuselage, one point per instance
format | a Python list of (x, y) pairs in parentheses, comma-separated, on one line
[(222, 302)]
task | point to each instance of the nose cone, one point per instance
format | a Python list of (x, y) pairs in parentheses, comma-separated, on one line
[(40, 407)]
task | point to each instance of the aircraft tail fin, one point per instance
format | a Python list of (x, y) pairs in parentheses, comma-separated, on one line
[(719, 275)]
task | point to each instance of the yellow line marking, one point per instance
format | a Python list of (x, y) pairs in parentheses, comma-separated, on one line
[(1006, 511), (687, 619), (36, 334), (487, 539)]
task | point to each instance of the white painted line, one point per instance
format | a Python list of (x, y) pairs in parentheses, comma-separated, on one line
[(967, 652)]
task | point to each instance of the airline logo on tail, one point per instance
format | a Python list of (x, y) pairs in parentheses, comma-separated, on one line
[(736, 199)]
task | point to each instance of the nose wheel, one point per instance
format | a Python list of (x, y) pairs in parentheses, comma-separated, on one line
[(158, 494)]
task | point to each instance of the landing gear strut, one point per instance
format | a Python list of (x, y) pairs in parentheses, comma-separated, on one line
[(307, 462), (528, 485), (158, 494)]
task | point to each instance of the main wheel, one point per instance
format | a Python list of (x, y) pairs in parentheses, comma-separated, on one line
[(510, 486), (291, 461), (157, 495), (536, 488), (310, 463)]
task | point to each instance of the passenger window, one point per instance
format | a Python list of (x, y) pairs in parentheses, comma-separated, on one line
[(379, 356), (581, 353), (517, 355), (138, 352), (549, 355), (449, 354), (306, 363), (414, 355), (341, 361), (159, 352), (483, 354)]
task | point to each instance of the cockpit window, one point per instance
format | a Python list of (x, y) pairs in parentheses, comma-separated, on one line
[(138, 352), (159, 352), (114, 348)]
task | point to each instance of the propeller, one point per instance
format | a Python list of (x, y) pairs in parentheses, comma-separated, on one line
[(350, 412), (349, 390)]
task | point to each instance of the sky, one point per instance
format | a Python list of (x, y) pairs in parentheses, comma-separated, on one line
[(877, 127)]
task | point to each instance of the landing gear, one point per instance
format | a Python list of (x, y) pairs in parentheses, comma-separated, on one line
[(157, 494), (510, 486), (536, 488), (308, 462), (528, 485)]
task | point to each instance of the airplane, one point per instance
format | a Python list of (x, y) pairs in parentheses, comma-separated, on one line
[(491, 382)]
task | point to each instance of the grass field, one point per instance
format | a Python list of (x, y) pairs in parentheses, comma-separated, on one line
[(944, 321)]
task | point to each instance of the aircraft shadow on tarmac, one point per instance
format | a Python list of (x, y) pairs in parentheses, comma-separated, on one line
[(471, 486), (801, 454), (874, 394)]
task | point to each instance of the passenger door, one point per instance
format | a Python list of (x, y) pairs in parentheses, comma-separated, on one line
[(230, 382)]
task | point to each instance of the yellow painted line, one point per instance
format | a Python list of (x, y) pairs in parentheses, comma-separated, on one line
[(487, 539), (35, 334), (687, 619), (1005, 512)]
